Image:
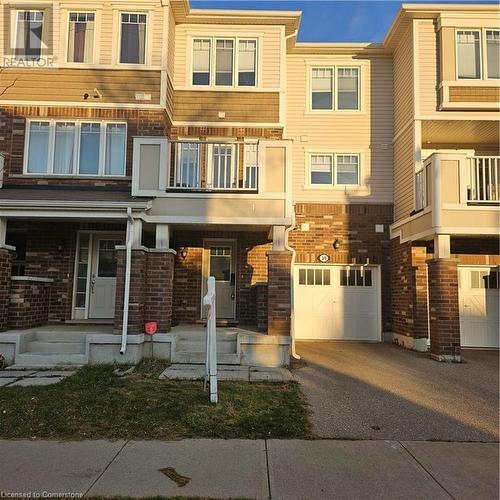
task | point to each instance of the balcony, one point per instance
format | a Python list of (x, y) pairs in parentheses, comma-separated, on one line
[(208, 181), (454, 194)]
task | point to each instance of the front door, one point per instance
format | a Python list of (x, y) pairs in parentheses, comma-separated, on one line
[(103, 278), (219, 262)]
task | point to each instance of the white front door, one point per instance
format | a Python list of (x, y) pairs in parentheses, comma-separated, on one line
[(478, 305), (219, 262), (337, 303), (103, 278)]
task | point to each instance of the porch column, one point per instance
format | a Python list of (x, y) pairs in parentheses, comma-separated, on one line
[(5, 275), (444, 309), (278, 292)]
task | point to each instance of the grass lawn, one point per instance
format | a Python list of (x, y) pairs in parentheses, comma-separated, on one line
[(95, 404)]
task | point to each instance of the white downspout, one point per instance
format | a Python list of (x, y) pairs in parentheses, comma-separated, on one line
[(126, 294), (292, 294)]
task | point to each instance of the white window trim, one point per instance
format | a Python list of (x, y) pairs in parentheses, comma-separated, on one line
[(333, 186), (96, 38), (481, 58), (76, 153), (148, 44), (334, 108), (485, 59), (211, 79), (13, 20)]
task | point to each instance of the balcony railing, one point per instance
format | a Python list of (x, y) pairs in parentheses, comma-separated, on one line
[(213, 166), (484, 179)]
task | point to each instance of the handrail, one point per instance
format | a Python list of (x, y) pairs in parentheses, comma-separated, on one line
[(211, 343), (484, 175)]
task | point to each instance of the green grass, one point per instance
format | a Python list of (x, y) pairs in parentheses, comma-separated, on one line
[(95, 404)]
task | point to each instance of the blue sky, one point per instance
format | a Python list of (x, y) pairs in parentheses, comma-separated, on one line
[(353, 21)]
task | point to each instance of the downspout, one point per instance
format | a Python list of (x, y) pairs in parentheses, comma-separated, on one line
[(126, 294), (292, 294)]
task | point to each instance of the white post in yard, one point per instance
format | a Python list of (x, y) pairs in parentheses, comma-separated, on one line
[(211, 359)]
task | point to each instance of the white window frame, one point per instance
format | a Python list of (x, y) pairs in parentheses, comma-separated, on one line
[(14, 22), (212, 65), (481, 58), (76, 152), (334, 108), (333, 154), (96, 38), (147, 43), (485, 59)]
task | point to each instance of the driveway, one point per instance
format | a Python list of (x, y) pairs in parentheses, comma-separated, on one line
[(380, 391)]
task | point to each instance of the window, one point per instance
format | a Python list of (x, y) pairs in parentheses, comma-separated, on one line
[(493, 53), (133, 38), (201, 62), (330, 169), (251, 166), (247, 52), (29, 34), (224, 62), (74, 148), (321, 169), (484, 279), (187, 166), (81, 37), (359, 276), (347, 88), (318, 276), (468, 54), (347, 169), (223, 171), (216, 61), (322, 88), (82, 264)]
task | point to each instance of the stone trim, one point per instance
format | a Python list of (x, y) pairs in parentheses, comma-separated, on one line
[(32, 278)]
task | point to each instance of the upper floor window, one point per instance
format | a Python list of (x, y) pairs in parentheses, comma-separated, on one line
[(328, 169), (75, 148), (29, 34), (493, 53), (133, 38), (224, 62), (81, 37), (335, 88), (478, 54)]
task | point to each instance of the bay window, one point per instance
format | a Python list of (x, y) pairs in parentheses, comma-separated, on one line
[(77, 148), (224, 54), (493, 53), (201, 62), (133, 38), (29, 34), (81, 37), (334, 169), (247, 59), (468, 54)]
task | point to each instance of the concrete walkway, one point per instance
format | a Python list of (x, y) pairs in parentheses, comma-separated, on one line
[(276, 469), (24, 378)]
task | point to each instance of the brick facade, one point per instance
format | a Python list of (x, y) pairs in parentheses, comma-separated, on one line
[(29, 303), (278, 293), (444, 309), (5, 273)]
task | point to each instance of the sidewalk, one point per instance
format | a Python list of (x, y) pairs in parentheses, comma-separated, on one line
[(276, 469)]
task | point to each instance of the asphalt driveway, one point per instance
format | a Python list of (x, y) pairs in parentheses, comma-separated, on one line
[(380, 391)]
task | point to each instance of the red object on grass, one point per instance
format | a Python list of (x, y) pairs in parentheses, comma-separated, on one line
[(151, 327)]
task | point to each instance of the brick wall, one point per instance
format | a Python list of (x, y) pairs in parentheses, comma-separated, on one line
[(29, 304), (354, 226), (444, 309), (278, 293), (229, 132), (13, 129), (5, 272)]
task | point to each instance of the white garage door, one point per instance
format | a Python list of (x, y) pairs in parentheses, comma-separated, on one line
[(337, 302), (478, 299)]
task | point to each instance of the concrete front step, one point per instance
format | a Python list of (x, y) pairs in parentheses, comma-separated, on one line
[(55, 347), (201, 336), (44, 360), (62, 336), (198, 358), (223, 346)]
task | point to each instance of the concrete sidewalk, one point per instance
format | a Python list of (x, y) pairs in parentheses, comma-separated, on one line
[(277, 469)]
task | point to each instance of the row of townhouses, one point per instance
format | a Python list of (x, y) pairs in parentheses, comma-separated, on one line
[(343, 191)]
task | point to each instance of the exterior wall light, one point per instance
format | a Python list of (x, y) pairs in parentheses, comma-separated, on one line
[(183, 252), (336, 244)]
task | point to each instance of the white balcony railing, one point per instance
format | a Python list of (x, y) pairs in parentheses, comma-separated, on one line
[(213, 166), (484, 179), (420, 189)]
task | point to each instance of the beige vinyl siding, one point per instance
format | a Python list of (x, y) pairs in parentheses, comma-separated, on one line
[(404, 164), (269, 63), (107, 31), (368, 132), (156, 27), (428, 49), (171, 45), (403, 81)]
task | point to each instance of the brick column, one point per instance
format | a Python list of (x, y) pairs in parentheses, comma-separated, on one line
[(443, 309), (5, 275), (278, 292), (136, 309), (159, 288)]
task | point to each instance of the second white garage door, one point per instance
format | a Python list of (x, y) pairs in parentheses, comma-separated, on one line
[(337, 303)]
